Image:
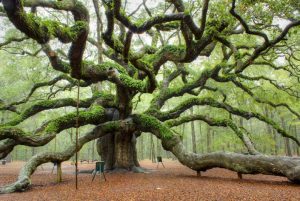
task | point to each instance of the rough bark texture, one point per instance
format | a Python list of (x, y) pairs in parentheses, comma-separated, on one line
[(245, 164), (118, 150), (24, 182)]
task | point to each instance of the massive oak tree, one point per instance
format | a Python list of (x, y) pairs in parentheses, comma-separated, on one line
[(150, 50)]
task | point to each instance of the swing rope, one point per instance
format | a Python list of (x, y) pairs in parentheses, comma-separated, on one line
[(77, 133)]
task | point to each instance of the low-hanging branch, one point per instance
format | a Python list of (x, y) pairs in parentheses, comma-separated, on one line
[(216, 122), (286, 89), (50, 104), (175, 113), (95, 115), (244, 164), (24, 181), (38, 86)]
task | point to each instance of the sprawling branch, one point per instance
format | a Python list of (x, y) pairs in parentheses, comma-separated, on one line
[(11, 40), (147, 24), (166, 94), (257, 52), (42, 30), (216, 122), (24, 182), (175, 113), (39, 85), (53, 104), (48, 131), (245, 25), (233, 79), (245, 164)]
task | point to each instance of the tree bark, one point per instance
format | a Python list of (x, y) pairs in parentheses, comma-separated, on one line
[(243, 164), (118, 151)]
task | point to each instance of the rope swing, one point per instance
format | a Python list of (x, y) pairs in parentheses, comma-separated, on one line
[(77, 133)]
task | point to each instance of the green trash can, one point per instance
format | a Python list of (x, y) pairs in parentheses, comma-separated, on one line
[(99, 169)]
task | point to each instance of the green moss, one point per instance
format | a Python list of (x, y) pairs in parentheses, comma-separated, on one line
[(149, 123), (132, 83), (103, 67), (112, 126), (47, 28), (149, 58), (171, 25), (175, 50), (11, 132), (92, 116)]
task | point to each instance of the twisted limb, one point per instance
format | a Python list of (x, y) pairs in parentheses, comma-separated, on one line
[(24, 182)]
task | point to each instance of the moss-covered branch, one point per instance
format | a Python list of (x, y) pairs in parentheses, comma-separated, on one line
[(52, 104), (37, 86), (24, 181), (143, 26), (43, 30), (245, 164), (168, 93), (216, 122), (95, 115), (175, 113), (115, 73)]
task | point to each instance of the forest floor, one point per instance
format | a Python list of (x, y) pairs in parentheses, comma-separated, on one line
[(175, 182)]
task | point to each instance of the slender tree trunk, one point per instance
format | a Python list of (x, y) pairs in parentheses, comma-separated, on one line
[(288, 150), (93, 150), (158, 147), (152, 151), (193, 133), (26, 158), (201, 138), (59, 173), (208, 139), (297, 135), (288, 147), (142, 147), (185, 139), (16, 154)]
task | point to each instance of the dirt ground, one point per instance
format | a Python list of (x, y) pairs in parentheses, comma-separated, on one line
[(175, 182)]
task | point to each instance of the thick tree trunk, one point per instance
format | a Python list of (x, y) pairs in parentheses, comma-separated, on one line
[(118, 151)]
